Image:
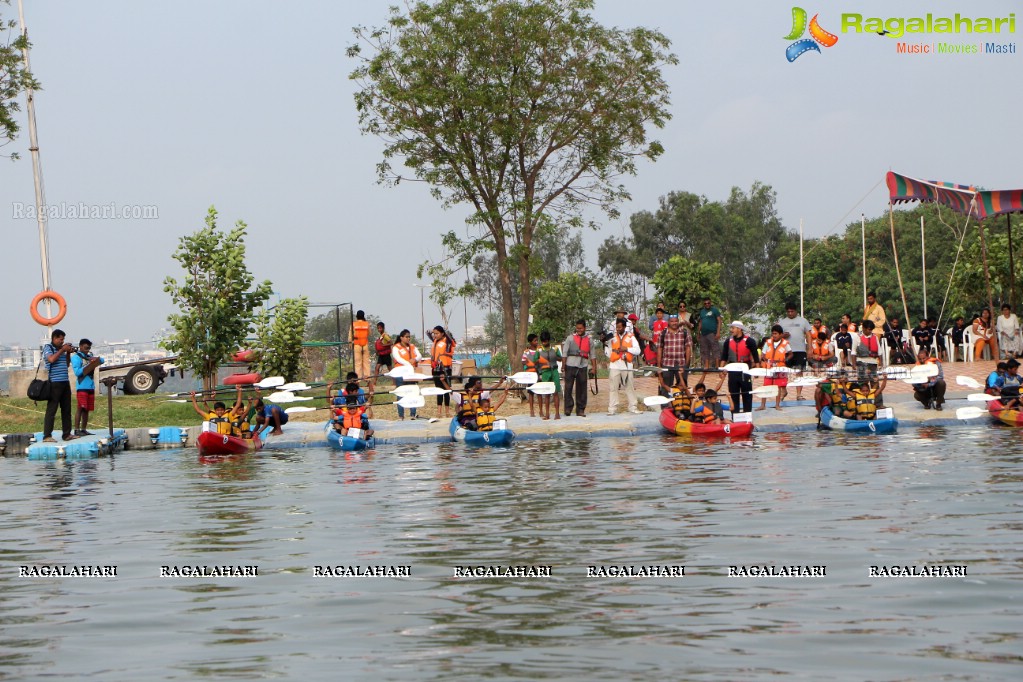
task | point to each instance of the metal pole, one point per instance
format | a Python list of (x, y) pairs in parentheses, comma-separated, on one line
[(37, 168), (923, 266), (1012, 266), (422, 314), (895, 252), (801, 267), (340, 354), (863, 239)]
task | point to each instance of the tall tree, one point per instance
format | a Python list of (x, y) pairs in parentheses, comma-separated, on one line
[(279, 338), (14, 79), (572, 296), (216, 300), (527, 111), (742, 233), (682, 279)]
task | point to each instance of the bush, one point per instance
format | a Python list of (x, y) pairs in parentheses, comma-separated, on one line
[(499, 364)]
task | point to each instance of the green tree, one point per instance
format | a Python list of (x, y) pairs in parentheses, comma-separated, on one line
[(743, 234), (557, 304), (216, 300), (14, 78), (681, 279), (527, 111), (279, 338)]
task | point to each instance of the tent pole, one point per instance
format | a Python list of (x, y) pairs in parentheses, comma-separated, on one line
[(895, 252), (1012, 266), (923, 264), (987, 273)]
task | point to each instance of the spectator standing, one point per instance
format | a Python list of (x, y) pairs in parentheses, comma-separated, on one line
[(875, 313), (795, 330), (623, 349), (442, 354), (405, 354), (57, 356), (529, 365), (1010, 342), (360, 344), (84, 365), (777, 353), (383, 346), (674, 350), (710, 332), (687, 319), (576, 351), (740, 348)]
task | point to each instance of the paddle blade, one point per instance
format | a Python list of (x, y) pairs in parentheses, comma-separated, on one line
[(297, 410), (969, 382), (416, 377), (400, 372), (524, 378), (406, 390), (295, 386), (301, 398), (543, 388), (177, 401), (270, 382), (970, 413), (756, 371), (765, 391), (736, 367), (981, 398), (923, 371), (652, 400), (804, 381), (412, 402), (281, 397), (434, 390)]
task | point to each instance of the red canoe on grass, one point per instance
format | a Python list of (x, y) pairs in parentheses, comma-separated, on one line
[(682, 427), (210, 443)]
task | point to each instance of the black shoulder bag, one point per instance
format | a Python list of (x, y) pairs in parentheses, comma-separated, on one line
[(39, 389)]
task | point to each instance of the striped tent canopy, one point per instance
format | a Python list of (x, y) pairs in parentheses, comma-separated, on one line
[(902, 188), (990, 203)]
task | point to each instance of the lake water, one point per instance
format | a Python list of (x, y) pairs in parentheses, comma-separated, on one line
[(924, 497)]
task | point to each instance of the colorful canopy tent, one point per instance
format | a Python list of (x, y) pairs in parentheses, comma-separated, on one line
[(966, 200)]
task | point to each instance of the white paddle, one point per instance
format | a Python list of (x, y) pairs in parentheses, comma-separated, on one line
[(415, 377), (296, 410), (736, 367), (524, 378), (805, 381), (970, 413), (406, 390), (543, 388), (652, 400), (400, 372), (281, 397), (982, 398), (968, 382), (295, 386), (757, 371), (432, 390), (765, 391)]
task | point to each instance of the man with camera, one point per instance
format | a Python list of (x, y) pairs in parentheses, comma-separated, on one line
[(57, 357), (84, 365)]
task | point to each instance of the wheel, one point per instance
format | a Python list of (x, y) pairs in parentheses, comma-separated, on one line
[(141, 380)]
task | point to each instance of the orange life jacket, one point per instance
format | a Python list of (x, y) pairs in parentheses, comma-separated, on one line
[(702, 412), (619, 346), (818, 347), (441, 353), (352, 420), (360, 333), (407, 354), (775, 357)]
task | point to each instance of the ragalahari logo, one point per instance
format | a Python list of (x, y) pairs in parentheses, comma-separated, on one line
[(817, 35)]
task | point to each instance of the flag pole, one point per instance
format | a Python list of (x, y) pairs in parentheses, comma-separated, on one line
[(923, 265), (863, 239), (801, 267)]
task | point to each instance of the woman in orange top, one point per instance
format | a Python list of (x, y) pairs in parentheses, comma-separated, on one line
[(984, 334), (405, 355), (360, 344), (440, 360)]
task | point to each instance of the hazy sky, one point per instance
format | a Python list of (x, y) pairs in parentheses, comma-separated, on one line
[(248, 106)]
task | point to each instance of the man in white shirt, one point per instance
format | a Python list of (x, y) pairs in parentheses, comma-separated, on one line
[(621, 349)]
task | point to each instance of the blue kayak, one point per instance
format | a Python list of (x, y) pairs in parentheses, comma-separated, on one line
[(830, 421), (495, 437), (347, 443)]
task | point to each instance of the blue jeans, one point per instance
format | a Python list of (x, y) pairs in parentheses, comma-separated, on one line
[(401, 410)]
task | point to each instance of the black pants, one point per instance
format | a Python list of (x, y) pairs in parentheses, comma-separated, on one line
[(935, 393), (740, 384), (442, 379), (60, 396), (575, 389)]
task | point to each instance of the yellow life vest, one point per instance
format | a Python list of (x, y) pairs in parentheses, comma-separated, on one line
[(681, 404), (866, 407), (484, 420), (222, 425), (470, 403)]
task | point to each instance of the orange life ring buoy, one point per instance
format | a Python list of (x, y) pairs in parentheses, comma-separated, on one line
[(56, 298)]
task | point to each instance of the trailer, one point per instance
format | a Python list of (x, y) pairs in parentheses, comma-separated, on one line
[(136, 378)]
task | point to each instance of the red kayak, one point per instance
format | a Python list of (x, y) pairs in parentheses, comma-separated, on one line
[(681, 427), (210, 443), (236, 379), (1011, 417)]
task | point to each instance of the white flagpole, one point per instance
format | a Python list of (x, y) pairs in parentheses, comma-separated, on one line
[(801, 267), (923, 264), (863, 239)]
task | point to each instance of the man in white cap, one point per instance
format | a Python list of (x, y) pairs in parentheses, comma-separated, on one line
[(740, 348)]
